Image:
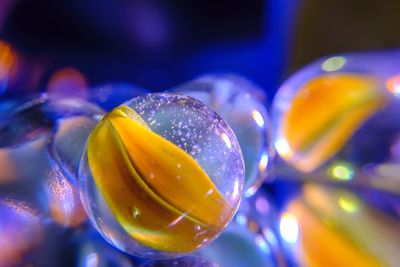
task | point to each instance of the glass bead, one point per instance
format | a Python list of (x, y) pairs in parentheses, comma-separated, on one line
[(162, 175)]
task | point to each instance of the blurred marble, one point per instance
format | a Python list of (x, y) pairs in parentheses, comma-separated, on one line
[(20, 231), (333, 226), (39, 145), (241, 104), (63, 196), (338, 119)]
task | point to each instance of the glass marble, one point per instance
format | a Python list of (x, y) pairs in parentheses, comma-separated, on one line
[(162, 175), (241, 104), (41, 143), (339, 119)]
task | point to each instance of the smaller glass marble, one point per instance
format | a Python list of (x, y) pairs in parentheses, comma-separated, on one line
[(162, 175), (241, 104), (339, 119)]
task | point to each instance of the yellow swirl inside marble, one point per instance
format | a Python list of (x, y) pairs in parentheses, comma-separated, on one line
[(158, 193), (324, 114)]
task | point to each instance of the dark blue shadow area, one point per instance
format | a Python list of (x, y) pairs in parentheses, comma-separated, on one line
[(153, 44)]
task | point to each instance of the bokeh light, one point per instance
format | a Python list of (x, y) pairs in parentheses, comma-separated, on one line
[(348, 203), (393, 85), (333, 64), (341, 171), (8, 64), (67, 82), (289, 228)]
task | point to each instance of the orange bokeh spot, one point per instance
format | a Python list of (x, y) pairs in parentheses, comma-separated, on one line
[(67, 82), (393, 85), (8, 60)]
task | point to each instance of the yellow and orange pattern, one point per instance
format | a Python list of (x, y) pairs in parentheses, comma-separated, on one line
[(158, 193)]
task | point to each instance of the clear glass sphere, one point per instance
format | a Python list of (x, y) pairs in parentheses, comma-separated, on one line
[(241, 104), (162, 175)]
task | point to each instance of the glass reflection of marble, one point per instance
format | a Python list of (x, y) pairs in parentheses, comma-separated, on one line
[(332, 226), (40, 147), (250, 240), (240, 103), (162, 175), (94, 251), (339, 119)]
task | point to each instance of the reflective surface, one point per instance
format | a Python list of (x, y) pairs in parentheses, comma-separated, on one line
[(324, 225), (177, 175), (94, 251), (251, 239), (241, 104)]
